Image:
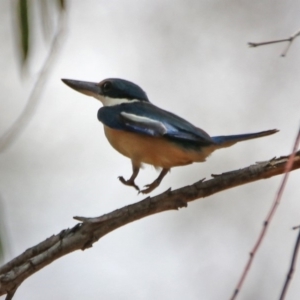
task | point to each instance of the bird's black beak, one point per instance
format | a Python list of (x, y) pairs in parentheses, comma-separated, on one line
[(84, 87)]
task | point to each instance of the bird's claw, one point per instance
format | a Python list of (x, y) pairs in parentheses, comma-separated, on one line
[(129, 183), (149, 188)]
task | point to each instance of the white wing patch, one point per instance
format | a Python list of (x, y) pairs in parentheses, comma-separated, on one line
[(152, 126)]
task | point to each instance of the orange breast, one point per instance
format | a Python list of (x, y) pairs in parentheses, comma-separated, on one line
[(155, 151)]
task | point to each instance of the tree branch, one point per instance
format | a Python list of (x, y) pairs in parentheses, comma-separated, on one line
[(83, 235), (289, 40), (267, 221)]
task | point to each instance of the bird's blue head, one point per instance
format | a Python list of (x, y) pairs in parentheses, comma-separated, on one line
[(111, 91)]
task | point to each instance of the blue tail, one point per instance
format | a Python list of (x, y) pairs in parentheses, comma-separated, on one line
[(229, 140)]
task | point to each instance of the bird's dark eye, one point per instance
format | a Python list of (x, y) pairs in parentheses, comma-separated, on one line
[(107, 86)]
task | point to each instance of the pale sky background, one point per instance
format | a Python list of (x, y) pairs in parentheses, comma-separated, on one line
[(192, 58)]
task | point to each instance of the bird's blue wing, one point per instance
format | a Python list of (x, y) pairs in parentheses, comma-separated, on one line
[(142, 124), (145, 118)]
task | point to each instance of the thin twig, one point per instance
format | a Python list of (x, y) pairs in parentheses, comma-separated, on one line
[(11, 294), (292, 267), (268, 43), (35, 96), (289, 40), (288, 168)]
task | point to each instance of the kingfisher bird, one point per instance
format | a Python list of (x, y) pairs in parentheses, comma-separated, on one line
[(148, 134)]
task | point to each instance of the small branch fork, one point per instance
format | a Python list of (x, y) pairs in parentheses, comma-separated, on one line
[(289, 40), (288, 167), (83, 235)]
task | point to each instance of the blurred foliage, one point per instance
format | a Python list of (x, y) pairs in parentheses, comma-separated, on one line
[(47, 13), (48, 9), (24, 28), (1, 250), (3, 236)]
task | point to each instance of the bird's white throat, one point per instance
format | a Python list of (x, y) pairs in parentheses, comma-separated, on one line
[(107, 101)]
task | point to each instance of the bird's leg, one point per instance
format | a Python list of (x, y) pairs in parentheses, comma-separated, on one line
[(130, 181), (150, 187)]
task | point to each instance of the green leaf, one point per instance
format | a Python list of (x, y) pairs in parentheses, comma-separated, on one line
[(24, 28)]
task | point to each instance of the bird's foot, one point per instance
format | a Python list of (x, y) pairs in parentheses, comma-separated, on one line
[(150, 187), (129, 182)]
